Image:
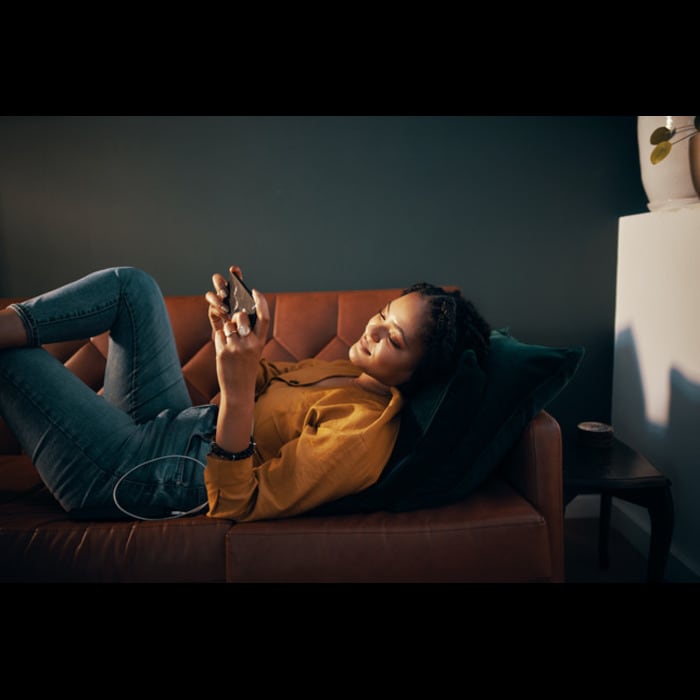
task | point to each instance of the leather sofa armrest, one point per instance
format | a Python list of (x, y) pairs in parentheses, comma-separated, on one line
[(8, 442), (534, 468)]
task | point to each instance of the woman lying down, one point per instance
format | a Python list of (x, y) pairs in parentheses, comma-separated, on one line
[(285, 437)]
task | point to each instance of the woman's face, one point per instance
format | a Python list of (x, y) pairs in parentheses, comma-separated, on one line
[(391, 346)]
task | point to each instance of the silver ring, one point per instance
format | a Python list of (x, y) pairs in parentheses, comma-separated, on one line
[(228, 332), (243, 331)]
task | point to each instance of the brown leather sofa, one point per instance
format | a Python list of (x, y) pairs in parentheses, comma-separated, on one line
[(510, 529)]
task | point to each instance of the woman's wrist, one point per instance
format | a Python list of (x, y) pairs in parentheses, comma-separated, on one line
[(239, 398), (234, 425)]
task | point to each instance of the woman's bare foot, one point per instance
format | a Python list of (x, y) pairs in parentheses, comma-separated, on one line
[(12, 333)]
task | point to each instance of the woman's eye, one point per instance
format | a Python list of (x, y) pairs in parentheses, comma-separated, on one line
[(382, 315)]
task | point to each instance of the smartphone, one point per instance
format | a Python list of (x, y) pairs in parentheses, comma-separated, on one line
[(240, 298)]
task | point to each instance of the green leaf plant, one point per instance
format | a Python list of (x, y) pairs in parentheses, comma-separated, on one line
[(661, 139)]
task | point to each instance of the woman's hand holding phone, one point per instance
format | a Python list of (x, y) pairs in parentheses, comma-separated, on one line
[(234, 309), (239, 343)]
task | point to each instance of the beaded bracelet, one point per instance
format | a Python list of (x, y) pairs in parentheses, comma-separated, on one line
[(217, 451)]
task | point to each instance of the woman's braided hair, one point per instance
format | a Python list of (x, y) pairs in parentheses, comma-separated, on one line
[(454, 325)]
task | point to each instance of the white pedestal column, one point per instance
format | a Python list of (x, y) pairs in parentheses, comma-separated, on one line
[(656, 376)]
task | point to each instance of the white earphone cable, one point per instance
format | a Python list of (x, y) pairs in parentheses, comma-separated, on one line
[(174, 513)]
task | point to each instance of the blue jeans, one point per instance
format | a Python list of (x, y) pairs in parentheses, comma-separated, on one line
[(82, 443)]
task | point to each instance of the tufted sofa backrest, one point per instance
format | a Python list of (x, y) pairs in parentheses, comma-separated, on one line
[(302, 325)]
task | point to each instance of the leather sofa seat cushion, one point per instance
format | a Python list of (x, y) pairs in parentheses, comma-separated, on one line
[(494, 536)]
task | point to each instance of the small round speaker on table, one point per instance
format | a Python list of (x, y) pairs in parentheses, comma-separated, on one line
[(595, 434)]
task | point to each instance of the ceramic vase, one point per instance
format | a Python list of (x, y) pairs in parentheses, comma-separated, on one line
[(669, 183)]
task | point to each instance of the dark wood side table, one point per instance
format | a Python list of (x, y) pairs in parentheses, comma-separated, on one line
[(618, 471)]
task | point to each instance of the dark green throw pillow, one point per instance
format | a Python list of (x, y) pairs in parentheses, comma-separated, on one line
[(521, 379)]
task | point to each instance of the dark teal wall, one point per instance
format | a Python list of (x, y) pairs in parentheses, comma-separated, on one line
[(520, 212)]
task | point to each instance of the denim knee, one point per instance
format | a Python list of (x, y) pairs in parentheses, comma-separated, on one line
[(136, 277)]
